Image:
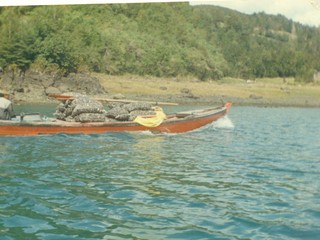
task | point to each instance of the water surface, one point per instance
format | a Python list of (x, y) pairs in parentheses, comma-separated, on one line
[(253, 175)]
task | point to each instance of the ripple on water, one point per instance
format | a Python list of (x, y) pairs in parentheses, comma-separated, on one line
[(256, 178)]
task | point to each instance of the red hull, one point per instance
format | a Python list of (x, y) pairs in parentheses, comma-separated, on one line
[(174, 124)]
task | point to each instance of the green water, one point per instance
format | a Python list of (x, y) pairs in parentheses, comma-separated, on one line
[(253, 175)]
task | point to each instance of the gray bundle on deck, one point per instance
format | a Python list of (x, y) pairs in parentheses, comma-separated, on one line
[(128, 112), (81, 109), (84, 109), (118, 113), (90, 117), (137, 113), (138, 106)]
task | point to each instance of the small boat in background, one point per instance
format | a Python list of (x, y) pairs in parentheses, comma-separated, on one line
[(70, 96), (179, 122)]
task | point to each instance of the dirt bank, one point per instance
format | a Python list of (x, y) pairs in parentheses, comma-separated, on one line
[(261, 92), (34, 87)]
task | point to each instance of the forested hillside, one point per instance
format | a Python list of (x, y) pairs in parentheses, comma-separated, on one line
[(158, 39)]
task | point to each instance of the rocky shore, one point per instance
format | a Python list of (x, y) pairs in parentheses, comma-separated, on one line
[(36, 87)]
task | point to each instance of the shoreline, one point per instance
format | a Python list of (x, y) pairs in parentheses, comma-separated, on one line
[(236, 101), (181, 100), (261, 93), (275, 92)]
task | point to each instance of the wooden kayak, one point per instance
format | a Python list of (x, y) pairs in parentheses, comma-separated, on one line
[(175, 123)]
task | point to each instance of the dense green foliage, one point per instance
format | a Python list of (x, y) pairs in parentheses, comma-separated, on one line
[(159, 39)]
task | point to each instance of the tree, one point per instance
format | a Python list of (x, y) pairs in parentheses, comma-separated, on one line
[(17, 38), (160, 39)]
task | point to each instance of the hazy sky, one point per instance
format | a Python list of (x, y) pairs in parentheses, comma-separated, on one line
[(303, 11)]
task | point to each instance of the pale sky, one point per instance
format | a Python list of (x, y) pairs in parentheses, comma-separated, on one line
[(303, 11)]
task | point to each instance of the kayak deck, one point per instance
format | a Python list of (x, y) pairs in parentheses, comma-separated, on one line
[(175, 123)]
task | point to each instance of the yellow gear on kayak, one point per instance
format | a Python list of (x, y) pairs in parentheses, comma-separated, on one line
[(153, 121)]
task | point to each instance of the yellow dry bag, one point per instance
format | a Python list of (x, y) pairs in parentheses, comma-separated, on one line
[(153, 121)]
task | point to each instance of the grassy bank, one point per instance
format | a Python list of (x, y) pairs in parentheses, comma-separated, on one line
[(261, 92), (275, 91)]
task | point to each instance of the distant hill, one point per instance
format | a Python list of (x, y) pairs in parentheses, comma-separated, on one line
[(158, 39)]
